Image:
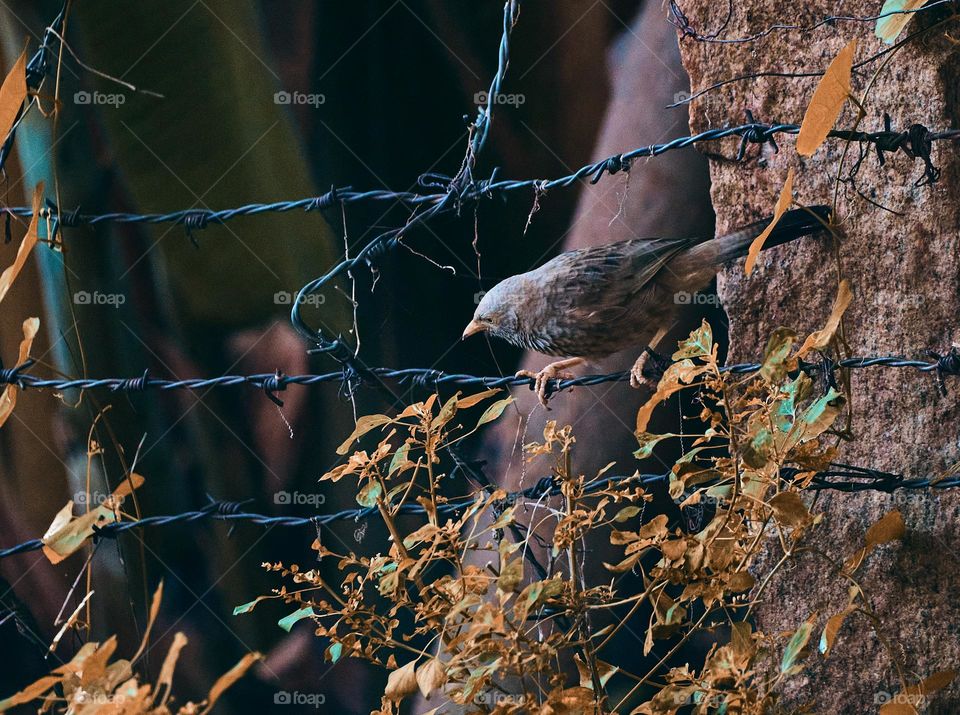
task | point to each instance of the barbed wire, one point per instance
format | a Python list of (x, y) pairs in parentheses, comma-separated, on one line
[(682, 23), (271, 383), (916, 142), (840, 477)]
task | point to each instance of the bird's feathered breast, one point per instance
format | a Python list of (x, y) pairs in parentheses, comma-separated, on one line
[(587, 302)]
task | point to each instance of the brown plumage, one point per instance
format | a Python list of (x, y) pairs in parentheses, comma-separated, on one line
[(592, 302)]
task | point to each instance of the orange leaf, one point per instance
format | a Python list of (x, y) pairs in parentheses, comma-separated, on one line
[(12, 94), (26, 245), (783, 203), (827, 102), (821, 338), (8, 399), (229, 678)]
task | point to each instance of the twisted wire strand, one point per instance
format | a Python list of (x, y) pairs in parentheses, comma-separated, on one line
[(270, 383), (478, 190), (840, 477)]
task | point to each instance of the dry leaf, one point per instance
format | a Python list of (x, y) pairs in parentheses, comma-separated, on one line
[(229, 678), (889, 528), (790, 509), (827, 101), (402, 682), (821, 338), (26, 245), (8, 400), (783, 203), (154, 610), (67, 534), (893, 20), (70, 621), (431, 676), (12, 94), (165, 679)]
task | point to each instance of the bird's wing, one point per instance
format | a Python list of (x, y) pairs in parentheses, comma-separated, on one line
[(605, 282)]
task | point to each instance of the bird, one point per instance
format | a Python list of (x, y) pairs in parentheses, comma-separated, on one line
[(589, 303)]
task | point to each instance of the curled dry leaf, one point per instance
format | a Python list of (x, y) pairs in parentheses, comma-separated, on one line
[(10, 274), (821, 338), (8, 400), (783, 203), (402, 682)]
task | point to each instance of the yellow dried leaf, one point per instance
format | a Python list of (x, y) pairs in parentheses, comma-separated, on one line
[(26, 245), (154, 607), (8, 400), (12, 94), (229, 678), (431, 676), (790, 509), (165, 679), (31, 692), (364, 425), (827, 101), (471, 400), (893, 19), (889, 528), (69, 622), (783, 203), (821, 338), (401, 682)]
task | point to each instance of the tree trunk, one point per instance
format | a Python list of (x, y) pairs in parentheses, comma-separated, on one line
[(905, 273)]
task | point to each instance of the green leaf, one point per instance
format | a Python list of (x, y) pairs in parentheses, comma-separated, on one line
[(647, 442), (247, 607), (776, 353), (628, 512), (286, 623), (367, 496), (494, 411), (892, 20), (699, 344), (795, 648), (334, 651), (757, 452), (447, 412), (399, 458)]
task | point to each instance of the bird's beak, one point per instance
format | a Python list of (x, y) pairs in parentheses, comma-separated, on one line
[(473, 327)]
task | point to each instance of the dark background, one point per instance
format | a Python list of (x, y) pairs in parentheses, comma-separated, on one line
[(398, 80)]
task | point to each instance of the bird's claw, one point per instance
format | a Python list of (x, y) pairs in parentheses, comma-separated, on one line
[(643, 375), (541, 380)]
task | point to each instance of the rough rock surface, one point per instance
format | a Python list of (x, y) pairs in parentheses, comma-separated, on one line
[(905, 271)]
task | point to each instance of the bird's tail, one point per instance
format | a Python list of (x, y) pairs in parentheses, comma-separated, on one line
[(792, 225)]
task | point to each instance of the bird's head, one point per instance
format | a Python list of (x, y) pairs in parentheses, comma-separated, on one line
[(497, 311)]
